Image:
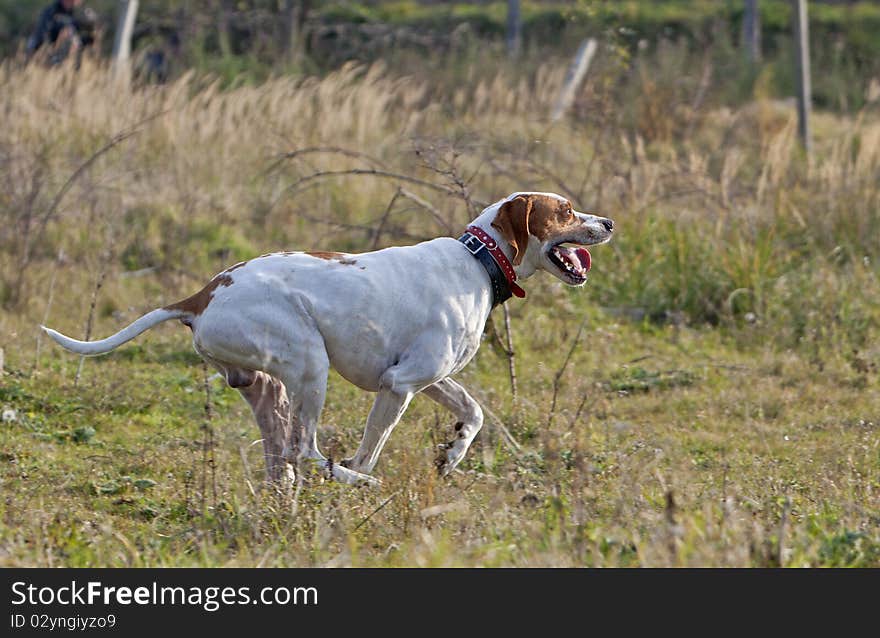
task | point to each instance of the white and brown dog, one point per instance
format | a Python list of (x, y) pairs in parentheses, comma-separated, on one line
[(396, 322)]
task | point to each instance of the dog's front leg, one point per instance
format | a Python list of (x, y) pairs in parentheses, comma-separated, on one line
[(455, 398), (389, 406)]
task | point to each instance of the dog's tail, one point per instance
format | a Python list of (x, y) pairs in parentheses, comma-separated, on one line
[(92, 348)]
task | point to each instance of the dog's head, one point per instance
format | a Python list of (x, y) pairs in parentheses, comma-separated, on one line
[(539, 225)]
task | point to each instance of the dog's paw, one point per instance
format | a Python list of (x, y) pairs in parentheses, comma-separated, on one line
[(342, 474), (349, 463), (448, 457)]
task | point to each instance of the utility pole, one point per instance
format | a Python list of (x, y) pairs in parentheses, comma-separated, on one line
[(804, 90)]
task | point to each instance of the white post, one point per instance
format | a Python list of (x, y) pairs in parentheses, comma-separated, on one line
[(802, 48), (122, 38), (574, 77)]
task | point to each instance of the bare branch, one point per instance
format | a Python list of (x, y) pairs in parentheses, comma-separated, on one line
[(427, 206), (373, 173), (375, 511), (324, 149), (558, 377), (381, 225)]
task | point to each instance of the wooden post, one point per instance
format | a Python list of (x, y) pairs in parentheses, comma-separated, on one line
[(223, 11), (804, 90), (514, 28), (122, 39), (751, 31), (295, 13), (574, 77)]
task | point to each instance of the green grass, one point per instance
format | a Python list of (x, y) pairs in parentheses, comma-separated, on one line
[(760, 452)]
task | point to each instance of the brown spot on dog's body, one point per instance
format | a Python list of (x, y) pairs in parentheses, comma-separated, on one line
[(321, 254), (340, 257), (195, 305), (234, 267), (551, 217), (540, 215)]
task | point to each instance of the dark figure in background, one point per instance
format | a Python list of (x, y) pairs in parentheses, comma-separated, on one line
[(64, 31)]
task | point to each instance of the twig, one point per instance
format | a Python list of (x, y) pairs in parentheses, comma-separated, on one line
[(49, 298), (300, 480), (208, 443), (780, 546), (373, 173), (381, 225), (427, 206), (433, 159), (548, 174), (506, 436), (324, 149), (511, 361), (375, 511), (558, 377), (99, 282), (361, 227), (700, 95), (116, 139), (56, 202), (672, 528), (577, 413), (247, 471)]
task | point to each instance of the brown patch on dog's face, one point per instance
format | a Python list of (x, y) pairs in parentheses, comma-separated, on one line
[(551, 217), (195, 305), (540, 215)]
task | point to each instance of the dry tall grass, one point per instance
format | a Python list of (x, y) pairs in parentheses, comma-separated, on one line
[(200, 161)]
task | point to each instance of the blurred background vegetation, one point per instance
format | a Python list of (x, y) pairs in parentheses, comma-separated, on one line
[(250, 40)]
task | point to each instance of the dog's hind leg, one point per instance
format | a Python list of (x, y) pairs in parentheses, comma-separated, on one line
[(271, 407), (306, 384), (455, 398)]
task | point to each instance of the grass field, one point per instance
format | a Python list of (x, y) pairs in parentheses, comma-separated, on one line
[(720, 405)]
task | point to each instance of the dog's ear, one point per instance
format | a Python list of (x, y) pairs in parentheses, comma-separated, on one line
[(512, 221)]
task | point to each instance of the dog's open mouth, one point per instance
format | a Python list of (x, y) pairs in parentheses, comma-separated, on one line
[(574, 261)]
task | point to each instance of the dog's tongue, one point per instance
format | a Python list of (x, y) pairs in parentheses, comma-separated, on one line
[(584, 257)]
